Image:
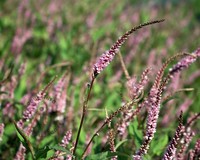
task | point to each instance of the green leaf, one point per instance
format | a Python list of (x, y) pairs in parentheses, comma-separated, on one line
[(47, 140), (159, 144), (43, 152), (100, 156), (137, 134), (96, 34), (9, 129), (60, 148), (120, 143)]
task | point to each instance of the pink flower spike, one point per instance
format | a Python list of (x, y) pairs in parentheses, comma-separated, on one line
[(171, 149), (108, 55), (66, 138), (185, 62), (32, 107)]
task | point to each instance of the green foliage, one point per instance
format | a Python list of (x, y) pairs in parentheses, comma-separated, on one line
[(136, 133), (103, 155), (76, 35), (44, 153), (158, 144)]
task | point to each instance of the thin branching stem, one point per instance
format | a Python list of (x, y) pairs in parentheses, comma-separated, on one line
[(83, 115), (108, 120)]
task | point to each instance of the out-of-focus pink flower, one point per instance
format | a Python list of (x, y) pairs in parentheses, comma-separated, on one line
[(9, 88), (60, 96), (135, 17), (20, 38), (175, 82), (66, 138), (8, 110), (32, 107), (22, 69), (185, 105), (25, 99), (20, 124), (134, 89), (90, 20), (64, 143), (20, 153), (137, 157), (29, 129), (193, 77)]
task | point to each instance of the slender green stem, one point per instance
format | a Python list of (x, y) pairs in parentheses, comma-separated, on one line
[(94, 135), (108, 119), (83, 116), (123, 66)]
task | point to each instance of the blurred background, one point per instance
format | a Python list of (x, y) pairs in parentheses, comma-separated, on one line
[(40, 39)]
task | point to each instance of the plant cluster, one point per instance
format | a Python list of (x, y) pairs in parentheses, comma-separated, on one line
[(69, 119)]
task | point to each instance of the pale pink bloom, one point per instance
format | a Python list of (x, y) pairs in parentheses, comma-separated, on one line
[(65, 141), (25, 99), (60, 96), (20, 124), (137, 157), (66, 138), (185, 105), (8, 110), (68, 157), (32, 107), (20, 153), (90, 20), (57, 91), (20, 38), (22, 69), (135, 17), (29, 129), (193, 77), (175, 83), (114, 158)]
